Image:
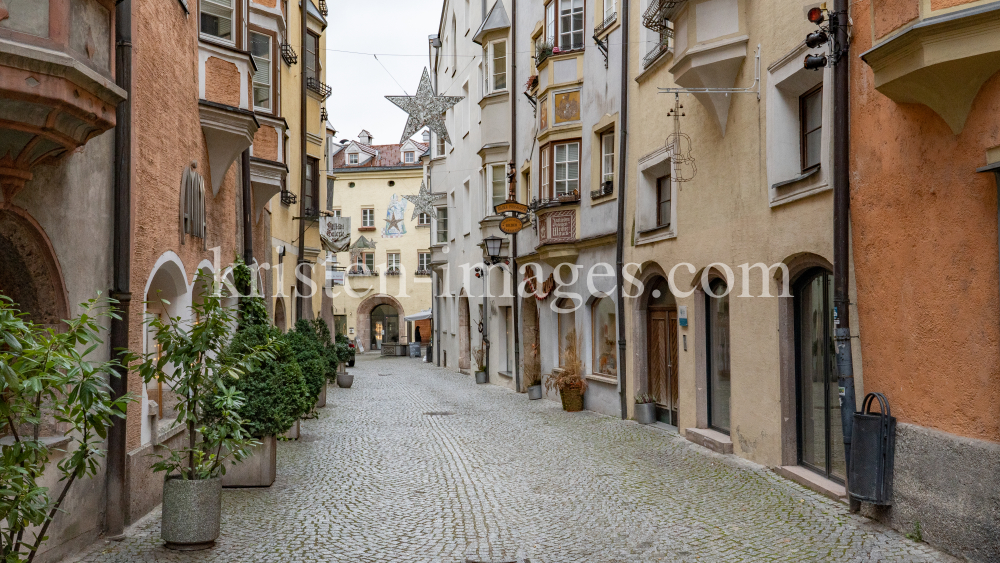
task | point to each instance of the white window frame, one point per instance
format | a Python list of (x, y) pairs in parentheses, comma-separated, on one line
[(392, 261), (263, 67), (544, 189), (353, 158), (569, 179), (368, 217), (609, 8), (563, 13), (408, 157), (607, 157), (219, 6), (423, 261), (441, 234), (495, 71), (550, 23), (440, 145), (490, 182), (423, 219)]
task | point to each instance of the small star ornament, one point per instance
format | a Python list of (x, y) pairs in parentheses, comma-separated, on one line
[(426, 109), (422, 202)]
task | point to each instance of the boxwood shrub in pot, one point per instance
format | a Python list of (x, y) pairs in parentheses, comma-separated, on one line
[(198, 360), (308, 353)]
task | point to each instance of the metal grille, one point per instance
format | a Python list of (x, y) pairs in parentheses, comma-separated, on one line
[(288, 54), (319, 87), (606, 23), (656, 15), (288, 198), (661, 47)]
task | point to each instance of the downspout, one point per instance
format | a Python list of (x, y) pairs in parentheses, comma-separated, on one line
[(513, 159), (303, 128), (116, 507), (622, 179), (841, 232), (247, 211)]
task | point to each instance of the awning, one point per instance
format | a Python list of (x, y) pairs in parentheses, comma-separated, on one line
[(422, 315)]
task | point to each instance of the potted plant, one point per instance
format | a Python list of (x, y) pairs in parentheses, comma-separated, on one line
[(48, 378), (533, 374), (645, 408), (275, 398), (198, 359), (479, 355), (330, 356), (569, 379), (310, 355)]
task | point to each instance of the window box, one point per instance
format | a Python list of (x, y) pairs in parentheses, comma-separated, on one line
[(607, 188), (606, 24), (288, 198), (422, 273), (658, 49), (367, 228)]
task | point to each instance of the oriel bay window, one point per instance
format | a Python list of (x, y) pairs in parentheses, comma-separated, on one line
[(442, 224), (496, 179), (570, 24), (260, 49), (550, 22), (565, 169), (495, 55), (217, 18), (811, 126)]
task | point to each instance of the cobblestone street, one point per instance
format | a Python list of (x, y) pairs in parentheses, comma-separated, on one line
[(419, 464)]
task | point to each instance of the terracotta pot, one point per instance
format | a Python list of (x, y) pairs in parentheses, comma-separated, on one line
[(572, 399)]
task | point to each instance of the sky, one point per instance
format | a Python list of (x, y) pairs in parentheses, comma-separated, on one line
[(388, 28)]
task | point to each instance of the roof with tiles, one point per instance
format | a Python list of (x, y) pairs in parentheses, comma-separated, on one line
[(389, 156)]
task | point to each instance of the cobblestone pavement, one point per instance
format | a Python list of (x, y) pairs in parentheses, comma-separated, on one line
[(418, 464)]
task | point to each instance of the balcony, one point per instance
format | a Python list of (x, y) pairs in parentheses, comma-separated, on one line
[(321, 89), (606, 24), (57, 88), (661, 47)]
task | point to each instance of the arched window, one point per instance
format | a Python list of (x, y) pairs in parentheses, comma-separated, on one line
[(604, 337), (193, 204)]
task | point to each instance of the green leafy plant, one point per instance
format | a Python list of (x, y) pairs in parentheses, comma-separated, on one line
[(308, 353), (275, 394), (197, 359), (46, 377), (252, 310), (644, 399), (917, 534), (344, 351), (325, 339)]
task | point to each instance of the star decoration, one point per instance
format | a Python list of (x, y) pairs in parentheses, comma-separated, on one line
[(392, 223), (425, 109), (422, 202)]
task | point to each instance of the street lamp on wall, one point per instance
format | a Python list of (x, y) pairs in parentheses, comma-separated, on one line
[(493, 244)]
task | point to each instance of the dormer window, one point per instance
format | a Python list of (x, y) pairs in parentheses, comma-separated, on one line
[(408, 157), (352, 158)]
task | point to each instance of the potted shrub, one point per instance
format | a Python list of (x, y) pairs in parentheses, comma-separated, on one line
[(309, 353), (197, 358), (533, 374), (645, 408), (569, 379), (331, 356), (48, 378), (275, 398), (479, 356)]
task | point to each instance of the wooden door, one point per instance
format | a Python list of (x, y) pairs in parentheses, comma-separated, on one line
[(662, 366)]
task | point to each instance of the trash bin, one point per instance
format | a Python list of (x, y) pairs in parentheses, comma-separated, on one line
[(873, 450)]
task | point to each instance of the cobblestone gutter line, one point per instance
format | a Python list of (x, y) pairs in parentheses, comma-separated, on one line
[(386, 474)]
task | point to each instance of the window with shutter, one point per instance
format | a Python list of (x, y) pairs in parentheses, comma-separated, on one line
[(192, 203), (260, 49), (217, 18)]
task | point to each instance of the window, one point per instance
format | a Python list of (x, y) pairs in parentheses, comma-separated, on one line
[(359, 264), (567, 168), (336, 212), (423, 219), (367, 217), (567, 329), (717, 330), (442, 224), (260, 49), (544, 190), (352, 158), (369, 261), (570, 25), (811, 126), (310, 195), (408, 157), (217, 18), (440, 146), (496, 69), (604, 337), (609, 8), (607, 157), (423, 261), (550, 23), (392, 261), (496, 180), (663, 201), (193, 203), (312, 58)]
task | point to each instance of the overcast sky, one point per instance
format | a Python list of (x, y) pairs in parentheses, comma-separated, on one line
[(360, 84)]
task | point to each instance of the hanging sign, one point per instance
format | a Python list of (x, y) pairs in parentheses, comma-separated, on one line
[(512, 207), (511, 225), (335, 233)]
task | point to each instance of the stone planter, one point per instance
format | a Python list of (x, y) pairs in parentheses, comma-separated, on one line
[(293, 432), (192, 511), (345, 380), (572, 399), (535, 392), (645, 413), (480, 377), (321, 400), (258, 470)]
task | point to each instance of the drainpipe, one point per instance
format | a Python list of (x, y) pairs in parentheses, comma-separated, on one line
[(622, 178), (300, 301), (841, 232), (247, 210), (116, 507), (513, 159)]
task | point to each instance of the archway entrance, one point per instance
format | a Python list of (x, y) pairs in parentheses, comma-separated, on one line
[(30, 275), (661, 348), (818, 402), (384, 327), (464, 333)]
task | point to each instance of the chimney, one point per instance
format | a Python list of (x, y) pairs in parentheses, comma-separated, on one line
[(365, 137), (427, 136)]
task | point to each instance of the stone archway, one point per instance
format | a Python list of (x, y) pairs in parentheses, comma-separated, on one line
[(464, 333), (363, 318), (31, 275)]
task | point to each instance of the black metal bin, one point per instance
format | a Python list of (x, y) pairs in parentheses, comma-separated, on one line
[(873, 447)]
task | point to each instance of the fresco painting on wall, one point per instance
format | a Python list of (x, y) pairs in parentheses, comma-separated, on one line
[(394, 225)]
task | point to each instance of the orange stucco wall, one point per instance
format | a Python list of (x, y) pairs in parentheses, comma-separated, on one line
[(265, 143), (925, 251)]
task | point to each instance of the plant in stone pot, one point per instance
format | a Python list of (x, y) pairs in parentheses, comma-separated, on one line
[(345, 355), (533, 373), (479, 356), (309, 353), (197, 357), (57, 404), (645, 408), (568, 378)]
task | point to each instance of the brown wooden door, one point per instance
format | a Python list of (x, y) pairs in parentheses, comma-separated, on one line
[(662, 363), (672, 338)]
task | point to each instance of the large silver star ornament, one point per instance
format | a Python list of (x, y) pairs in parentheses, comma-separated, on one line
[(426, 109), (422, 202)]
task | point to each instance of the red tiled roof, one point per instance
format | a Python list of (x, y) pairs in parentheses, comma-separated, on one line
[(388, 156)]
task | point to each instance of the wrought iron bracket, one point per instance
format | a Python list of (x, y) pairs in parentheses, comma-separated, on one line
[(534, 103), (603, 47)]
